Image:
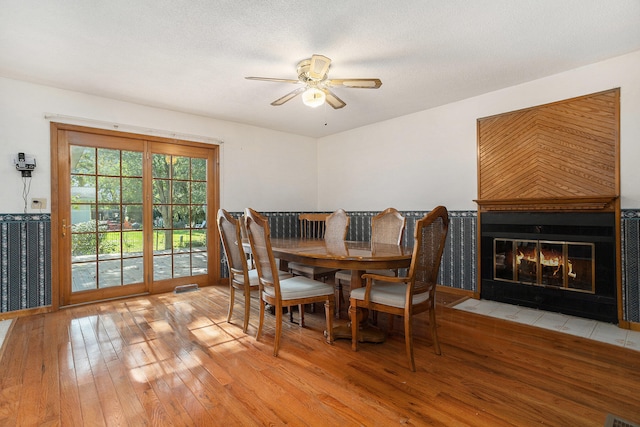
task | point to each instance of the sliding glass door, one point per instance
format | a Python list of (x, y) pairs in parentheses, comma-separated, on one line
[(133, 215)]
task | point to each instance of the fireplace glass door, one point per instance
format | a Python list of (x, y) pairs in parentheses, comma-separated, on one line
[(565, 265)]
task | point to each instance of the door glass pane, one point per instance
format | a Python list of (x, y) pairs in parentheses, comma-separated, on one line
[(106, 218), (132, 271), (199, 192), (182, 266), (132, 244), (199, 169), (162, 216), (108, 162), (198, 240), (83, 276), (131, 163), (180, 216), (131, 190), (108, 189), (198, 216), (110, 273), (162, 267), (198, 263), (181, 167), (83, 243), (160, 166), (180, 207), (83, 160), (180, 192), (109, 244)]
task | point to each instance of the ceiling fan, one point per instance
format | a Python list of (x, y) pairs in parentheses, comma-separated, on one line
[(312, 74)]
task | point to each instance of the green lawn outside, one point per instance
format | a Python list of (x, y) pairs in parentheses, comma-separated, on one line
[(132, 241)]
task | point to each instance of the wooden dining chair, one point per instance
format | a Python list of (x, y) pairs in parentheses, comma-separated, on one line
[(412, 294), (320, 226), (386, 227), (288, 292), (312, 225), (333, 227), (241, 277)]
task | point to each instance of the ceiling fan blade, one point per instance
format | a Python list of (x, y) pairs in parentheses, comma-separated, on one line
[(288, 96), (268, 79), (333, 100), (356, 83), (319, 67)]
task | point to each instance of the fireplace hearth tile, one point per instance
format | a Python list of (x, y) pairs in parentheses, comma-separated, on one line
[(506, 311), (609, 333), (553, 321), (633, 340), (526, 316), (479, 306), (580, 327)]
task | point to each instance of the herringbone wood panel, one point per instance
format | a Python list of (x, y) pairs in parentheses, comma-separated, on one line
[(564, 149)]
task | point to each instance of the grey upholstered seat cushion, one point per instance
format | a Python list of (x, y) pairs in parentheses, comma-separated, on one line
[(253, 277), (301, 287), (392, 294), (345, 275), (309, 269)]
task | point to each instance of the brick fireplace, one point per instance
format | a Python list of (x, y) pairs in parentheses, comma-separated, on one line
[(548, 207)]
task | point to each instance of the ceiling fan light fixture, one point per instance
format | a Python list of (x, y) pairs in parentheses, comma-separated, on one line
[(315, 86), (313, 97)]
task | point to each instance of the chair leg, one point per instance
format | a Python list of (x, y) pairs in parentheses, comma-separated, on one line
[(232, 298), (262, 309), (339, 297), (353, 315), (408, 339), (301, 310), (247, 309), (434, 331), (328, 313), (276, 344)]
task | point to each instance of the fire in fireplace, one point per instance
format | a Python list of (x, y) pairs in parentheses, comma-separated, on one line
[(563, 265), (555, 261)]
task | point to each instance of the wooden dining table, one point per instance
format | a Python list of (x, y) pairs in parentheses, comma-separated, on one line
[(344, 255)]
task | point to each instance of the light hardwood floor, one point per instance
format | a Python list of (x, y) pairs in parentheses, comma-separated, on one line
[(173, 359)]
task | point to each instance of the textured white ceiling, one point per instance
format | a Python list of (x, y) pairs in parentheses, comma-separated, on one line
[(192, 56)]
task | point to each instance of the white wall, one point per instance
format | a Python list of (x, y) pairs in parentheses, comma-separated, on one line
[(412, 163), (425, 159), (289, 184)]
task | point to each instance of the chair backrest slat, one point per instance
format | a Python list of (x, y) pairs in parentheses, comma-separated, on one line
[(230, 234), (388, 227), (337, 226), (429, 240), (312, 225), (332, 226), (260, 240)]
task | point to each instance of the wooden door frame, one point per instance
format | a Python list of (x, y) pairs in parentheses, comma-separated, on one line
[(58, 158)]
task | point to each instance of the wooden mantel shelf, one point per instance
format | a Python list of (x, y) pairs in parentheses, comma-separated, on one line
[(604, 203)]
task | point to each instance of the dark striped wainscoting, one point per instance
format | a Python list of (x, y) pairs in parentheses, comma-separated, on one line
[(459, 266), (25, 258), (631, 264), (25, 254)]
